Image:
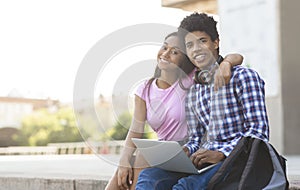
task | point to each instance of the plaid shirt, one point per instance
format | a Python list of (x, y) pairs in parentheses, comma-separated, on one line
[(217, 120)]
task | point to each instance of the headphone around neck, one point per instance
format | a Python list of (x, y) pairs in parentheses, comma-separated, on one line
[(206, 76)]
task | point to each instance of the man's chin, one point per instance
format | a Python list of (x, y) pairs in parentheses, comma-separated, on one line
[(200, 65)]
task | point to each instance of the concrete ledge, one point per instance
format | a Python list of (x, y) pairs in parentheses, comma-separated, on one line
[(78, 172), (295, 185), (17, 183), (90, 184)]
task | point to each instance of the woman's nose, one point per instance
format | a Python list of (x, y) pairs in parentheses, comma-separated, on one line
[(166, 52)]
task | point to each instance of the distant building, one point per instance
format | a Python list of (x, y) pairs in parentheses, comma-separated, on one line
[(208, 6), (13, 109)]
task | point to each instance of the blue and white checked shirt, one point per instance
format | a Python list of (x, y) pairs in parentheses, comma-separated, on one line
[(217, 120)]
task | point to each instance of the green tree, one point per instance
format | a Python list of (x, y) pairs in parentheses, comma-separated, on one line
[(7, 135), (120, 129), (44, 126)]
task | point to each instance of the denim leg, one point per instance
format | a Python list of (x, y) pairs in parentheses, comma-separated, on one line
[(197, 182), (158, 179)]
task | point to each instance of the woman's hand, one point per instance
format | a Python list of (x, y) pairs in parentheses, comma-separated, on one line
[(222, 75), (186, 150), (125, 176), (203, 156)]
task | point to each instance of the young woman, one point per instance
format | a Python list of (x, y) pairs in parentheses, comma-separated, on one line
[(161, 102)]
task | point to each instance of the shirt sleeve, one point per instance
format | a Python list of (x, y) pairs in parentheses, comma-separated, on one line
[(141, 90), (251, 95), (195, 131), (226, 149)]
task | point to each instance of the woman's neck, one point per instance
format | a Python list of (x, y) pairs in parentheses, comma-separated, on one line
[(167, 79)]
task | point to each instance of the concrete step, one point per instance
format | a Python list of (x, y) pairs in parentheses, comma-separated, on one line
[(76, 172)]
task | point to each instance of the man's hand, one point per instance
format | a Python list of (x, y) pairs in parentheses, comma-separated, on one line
[(203, 156), (222, 75), (125, 176)]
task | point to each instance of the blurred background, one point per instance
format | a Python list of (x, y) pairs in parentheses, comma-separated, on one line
[(42, 44)]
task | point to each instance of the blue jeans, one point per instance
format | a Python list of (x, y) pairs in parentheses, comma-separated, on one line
[(159, 179)]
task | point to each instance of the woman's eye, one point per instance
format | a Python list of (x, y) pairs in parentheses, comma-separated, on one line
[(164, 48), (175, 52), (188, 45)]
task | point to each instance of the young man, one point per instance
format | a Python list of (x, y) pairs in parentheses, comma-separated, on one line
[(216, 121)]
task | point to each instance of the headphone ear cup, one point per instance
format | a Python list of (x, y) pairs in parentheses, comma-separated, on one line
[(203, 77), (206, 76)]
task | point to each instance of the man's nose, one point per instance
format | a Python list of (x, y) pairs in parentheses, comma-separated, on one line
[(197, 46)]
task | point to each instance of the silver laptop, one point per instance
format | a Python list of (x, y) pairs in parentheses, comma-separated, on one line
[(167, 155)]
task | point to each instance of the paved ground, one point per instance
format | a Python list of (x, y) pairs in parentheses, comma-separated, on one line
[(84, 166), (58, 166), (293, 171)]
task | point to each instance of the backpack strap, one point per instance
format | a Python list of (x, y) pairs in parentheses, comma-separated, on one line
[(279, 178)]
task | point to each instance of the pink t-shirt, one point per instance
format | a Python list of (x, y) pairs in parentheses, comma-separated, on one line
[(166, 109)]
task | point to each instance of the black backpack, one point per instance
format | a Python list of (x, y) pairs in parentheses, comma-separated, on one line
[(252, 165)]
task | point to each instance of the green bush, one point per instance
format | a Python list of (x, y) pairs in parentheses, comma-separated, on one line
[(44, 126), (120, 129)]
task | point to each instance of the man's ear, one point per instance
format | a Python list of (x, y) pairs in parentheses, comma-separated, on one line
[(216, 43)]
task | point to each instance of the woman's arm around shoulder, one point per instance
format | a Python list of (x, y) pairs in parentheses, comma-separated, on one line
[(223, 76)]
